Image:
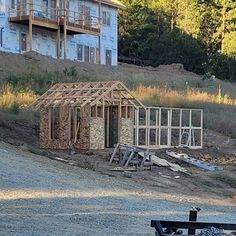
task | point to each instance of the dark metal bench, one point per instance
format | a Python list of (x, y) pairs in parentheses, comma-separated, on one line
[(172, 226), (167, 228)]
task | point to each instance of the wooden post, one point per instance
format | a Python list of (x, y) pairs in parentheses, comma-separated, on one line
[(201, 128), (58, 15), (137, 126), (21, 9), (156, 124), (180, 126), (148, 127), (103, 108), (30, 24), (190, 128), (119, 117), (108, 126), (159, 120), (65, 30), (100, 26), (169, 126), (50, 123)]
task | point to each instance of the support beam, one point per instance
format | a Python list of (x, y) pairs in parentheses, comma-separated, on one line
[(65, 29), (58, 30), (30, 24), (100, 26)]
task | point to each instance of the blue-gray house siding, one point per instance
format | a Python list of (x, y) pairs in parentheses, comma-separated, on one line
[(14, 37)]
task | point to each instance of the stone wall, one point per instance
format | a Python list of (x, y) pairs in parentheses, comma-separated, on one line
[(126, 131), (97, 133)]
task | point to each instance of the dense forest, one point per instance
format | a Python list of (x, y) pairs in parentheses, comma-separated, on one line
[(200, 34)]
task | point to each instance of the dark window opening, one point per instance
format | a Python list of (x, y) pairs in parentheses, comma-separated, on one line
[(55, 123), (23, 42), (86, 54), (130, 112), (97, 111), (92, 55), (80, 52), (97, 55), (106, 18), (127, 112), (87, 16), (13, 4), (108, 57), (1, 36)]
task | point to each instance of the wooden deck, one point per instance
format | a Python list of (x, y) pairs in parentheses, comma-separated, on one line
[(37, 21), (72, 28)]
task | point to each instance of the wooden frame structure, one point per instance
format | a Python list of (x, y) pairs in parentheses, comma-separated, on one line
[(92, 115), (162, 127), (96, 115)]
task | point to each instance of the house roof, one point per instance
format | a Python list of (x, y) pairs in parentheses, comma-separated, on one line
[(83, 93), (114, 3)]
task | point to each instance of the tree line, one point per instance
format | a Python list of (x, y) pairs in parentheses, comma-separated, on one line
[(200, 34)]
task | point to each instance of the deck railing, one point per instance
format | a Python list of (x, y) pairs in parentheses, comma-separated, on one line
[(73, 18)]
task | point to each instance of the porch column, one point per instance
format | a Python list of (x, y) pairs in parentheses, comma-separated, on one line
[(65, 30), (58, 15), (30, 23)]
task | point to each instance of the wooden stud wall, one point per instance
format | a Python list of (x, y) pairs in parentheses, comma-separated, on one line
[(160, 127)]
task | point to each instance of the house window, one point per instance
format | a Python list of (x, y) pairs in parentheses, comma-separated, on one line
[(87, 16), (80, 52), (97, 55), (96, 111), (92, 55), (106, 18), (127, 112), (13, 4), (86, 54), (108, 57), (1, 36), (23, 42)]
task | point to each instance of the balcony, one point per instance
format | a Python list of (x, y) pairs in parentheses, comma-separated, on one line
[(77, 22), (55, 19)]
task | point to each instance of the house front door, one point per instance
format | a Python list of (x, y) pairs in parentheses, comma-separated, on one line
[(92, 55), (108, 57), (111, 126), (23, 42), (86, 54)]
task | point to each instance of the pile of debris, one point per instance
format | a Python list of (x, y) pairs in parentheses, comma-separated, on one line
[(135, 158), (139, 158)]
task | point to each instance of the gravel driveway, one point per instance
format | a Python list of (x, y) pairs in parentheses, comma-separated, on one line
[(39, 196)]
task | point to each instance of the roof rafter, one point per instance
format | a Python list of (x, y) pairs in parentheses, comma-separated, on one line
[(82, 93)]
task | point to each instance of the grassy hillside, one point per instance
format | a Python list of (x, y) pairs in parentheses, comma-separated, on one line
[(24, 77)]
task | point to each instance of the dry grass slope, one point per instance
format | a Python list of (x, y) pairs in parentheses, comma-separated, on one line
[(10, 97), (166, 85)]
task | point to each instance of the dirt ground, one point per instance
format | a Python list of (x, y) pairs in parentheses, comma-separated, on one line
[(202, 183), (39, 196), (218, 149), (81, 194)]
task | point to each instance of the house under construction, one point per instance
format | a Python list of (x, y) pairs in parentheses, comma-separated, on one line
[(97, 115), (81, 30)]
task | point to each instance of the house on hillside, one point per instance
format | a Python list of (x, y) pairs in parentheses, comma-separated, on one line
[(82, 30), (98, 115)]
